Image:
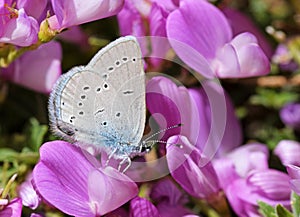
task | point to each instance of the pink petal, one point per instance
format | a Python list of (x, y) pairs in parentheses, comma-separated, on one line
[(61, 177), (34, 8), (226, 62), (200, 25), (191, 170), (289, 152), (43, 70), (157, 25), (13, 209), (253, 61), (249, 157), (71, 13), (141, 207), (220, 131), (109, 189), (293, 171), (28, 194), (174, 106), (21, 31)]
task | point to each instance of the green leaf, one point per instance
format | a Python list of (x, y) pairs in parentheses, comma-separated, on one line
[(295, 202), (35, 133), (266, 210), (283, 212)]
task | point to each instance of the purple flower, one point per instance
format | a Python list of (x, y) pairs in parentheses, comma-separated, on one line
[(75, 12), (270, 186), (202, 37), (38, 69), (289, 152), (28, 194), (141, 207), (207, 114), (170, 200), (16, 27), (284, 58), (190, 169), (73, 181), (294, 173), (290, 115), (13, 208)]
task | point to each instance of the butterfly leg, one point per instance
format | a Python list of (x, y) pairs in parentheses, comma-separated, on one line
[(110, 156), (122, 162)]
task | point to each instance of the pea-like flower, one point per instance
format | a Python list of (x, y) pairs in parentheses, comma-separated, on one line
[(73, 181)]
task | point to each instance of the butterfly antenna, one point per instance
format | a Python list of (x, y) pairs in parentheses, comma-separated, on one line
[(161, 131)]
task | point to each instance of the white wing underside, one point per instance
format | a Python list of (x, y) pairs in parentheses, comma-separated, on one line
[(103, 101)]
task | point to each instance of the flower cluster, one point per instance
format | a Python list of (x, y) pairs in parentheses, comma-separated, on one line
[(227, 139)]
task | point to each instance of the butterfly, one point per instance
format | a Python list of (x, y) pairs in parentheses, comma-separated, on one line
[(103, 103)]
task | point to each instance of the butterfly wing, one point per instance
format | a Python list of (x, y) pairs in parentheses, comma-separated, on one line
[(120, 64), (104, 102)]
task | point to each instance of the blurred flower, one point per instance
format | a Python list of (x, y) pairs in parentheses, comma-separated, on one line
[(245, 178), (13, 208), (240, 23), (249, 157), (170, 200), (141, 207), (43, 70), (270, 186), (289, 152), (207, 114), (73, 181), (16, 27), (290, 115), (213, 52), (294, 173), (28, 194), (75, 12), (147, 18), (190, 169)]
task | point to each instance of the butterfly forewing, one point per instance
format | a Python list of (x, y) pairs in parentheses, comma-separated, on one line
[(120, 65)]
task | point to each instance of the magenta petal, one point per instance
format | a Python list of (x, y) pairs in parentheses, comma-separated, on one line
[(174, 106), (13, 209), (21, 31), (61, 177), (190, 169), (289, 152), (109, 189), (141, 207), (200, 25)]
